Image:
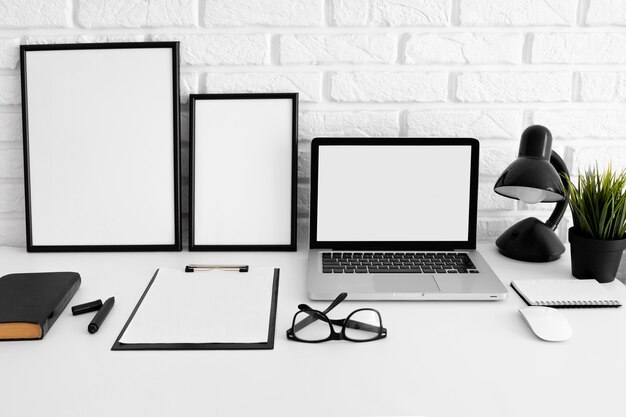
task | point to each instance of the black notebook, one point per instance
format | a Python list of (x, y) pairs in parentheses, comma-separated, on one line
[(30, 303), (564, 293)]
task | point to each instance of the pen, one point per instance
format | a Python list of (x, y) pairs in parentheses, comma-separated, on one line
[(101, 315), (206, 267)]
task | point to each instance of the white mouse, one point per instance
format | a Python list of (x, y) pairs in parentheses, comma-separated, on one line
[(547, 323)]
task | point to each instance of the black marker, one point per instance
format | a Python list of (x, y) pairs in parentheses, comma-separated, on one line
[(101, 315)]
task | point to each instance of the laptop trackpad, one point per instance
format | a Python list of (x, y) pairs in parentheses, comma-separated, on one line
[(405, 283)]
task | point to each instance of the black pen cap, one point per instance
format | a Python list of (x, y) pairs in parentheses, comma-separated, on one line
[(86, 307)]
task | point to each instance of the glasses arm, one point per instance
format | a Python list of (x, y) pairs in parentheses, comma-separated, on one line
[(357, 325), (314, 315), (332, 305)]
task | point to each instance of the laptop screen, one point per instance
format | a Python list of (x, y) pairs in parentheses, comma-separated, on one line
[(402, 192)]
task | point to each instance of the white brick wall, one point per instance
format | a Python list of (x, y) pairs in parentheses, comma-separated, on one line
[(464, 48), (478, 68)]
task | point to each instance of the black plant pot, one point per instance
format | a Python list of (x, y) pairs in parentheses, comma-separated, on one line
[(594, 258)]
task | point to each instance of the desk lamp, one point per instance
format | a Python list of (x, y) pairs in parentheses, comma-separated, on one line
[(534, 177)]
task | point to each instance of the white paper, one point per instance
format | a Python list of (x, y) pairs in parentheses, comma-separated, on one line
[(204, 307)]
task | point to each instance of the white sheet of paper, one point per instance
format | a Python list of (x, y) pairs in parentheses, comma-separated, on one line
[(204, 307)]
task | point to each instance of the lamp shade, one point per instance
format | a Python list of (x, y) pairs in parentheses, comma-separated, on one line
[(531, 177)]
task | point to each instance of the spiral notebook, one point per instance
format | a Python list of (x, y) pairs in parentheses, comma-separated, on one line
[(564, 293)]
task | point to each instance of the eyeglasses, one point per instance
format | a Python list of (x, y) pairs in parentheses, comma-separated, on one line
[(313, 326)]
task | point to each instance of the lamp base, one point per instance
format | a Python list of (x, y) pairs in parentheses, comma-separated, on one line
[(530, 240)]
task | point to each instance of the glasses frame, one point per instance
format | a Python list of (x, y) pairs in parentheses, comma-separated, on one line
[(315, 315)]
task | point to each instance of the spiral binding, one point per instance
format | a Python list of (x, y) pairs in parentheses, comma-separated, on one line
[(578, 303)]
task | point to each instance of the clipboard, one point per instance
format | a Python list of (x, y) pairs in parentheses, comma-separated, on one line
[(266, 343)]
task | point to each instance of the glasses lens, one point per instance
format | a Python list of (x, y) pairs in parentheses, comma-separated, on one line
[(363, 325), (311, 327)]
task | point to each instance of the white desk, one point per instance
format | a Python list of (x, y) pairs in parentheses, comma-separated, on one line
[(440, 358)]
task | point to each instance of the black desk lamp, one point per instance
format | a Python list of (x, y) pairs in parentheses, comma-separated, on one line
[(535, 176)]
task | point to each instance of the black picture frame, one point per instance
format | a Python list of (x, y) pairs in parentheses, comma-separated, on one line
[(469, 243), (28, 57), (195, 243)]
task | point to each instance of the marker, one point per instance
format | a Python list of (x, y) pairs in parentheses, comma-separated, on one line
[(101, 315)]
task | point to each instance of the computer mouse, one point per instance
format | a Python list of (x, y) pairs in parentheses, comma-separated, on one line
[(547, 323)]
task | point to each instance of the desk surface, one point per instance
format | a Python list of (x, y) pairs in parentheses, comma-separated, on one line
[(440, 358)]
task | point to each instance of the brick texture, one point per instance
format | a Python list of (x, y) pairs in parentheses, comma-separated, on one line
[(34, 13), (47, 40), (9, 52), (602, 86), (502, 87), (11, 163), (606, 12), (419, 68), (390, 13), (583, 124), (579, 48), (136, 13), (472, 123), (309, 85), (220, 49), (189, 84), (10, 127), (304, 160), (364, 123), (609, 152), (352, 49), (11, 198), (264, 12), (389, 87), (10, 89), (465, 48), (13, 232), (517, 13), (494, 159)]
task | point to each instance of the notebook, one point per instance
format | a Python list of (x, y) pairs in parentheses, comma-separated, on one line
[(564, 293), (30, 303)]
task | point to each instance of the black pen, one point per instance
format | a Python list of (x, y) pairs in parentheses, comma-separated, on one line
[(101, 315)]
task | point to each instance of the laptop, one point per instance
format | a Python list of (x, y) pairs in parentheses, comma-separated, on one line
[(395, 219)]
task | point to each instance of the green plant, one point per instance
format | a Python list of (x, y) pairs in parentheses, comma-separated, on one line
[(598, 203)]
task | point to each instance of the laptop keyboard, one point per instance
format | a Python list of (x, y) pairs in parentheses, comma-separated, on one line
[(397, 262)]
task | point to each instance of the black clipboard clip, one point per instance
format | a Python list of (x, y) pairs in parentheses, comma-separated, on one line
[(205, 267)]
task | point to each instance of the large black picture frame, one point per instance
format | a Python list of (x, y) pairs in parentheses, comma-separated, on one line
[(210, 110), (114, 93)]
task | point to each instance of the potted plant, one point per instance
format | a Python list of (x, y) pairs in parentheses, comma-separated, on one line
[(598, 238)]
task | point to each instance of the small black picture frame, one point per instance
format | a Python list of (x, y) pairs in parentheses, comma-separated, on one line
[(101, 134), (243, 172)]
